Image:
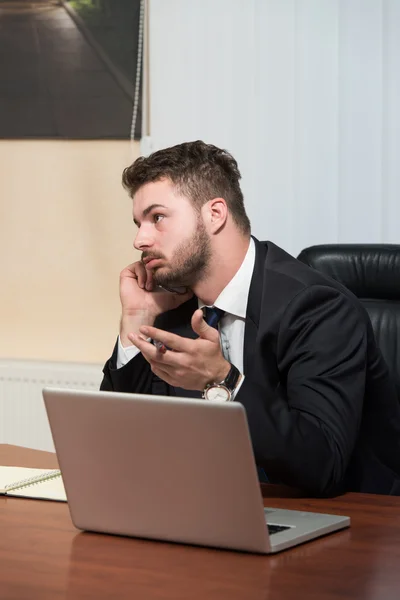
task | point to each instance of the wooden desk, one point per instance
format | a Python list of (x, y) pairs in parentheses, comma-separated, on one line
[(43, 557)]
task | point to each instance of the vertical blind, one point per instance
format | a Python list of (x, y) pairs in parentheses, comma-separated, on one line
[(304, 93)]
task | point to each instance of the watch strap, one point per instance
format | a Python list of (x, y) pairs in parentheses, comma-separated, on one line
[(231, 379)]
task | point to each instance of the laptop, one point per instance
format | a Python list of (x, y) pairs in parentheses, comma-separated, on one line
[(172, 469)]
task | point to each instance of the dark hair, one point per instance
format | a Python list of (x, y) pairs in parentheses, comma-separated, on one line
[(199, 171)]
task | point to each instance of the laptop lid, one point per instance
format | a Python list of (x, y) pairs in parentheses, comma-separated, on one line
[(172, 469)]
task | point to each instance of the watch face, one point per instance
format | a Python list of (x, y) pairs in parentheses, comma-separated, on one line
[(218, 393)]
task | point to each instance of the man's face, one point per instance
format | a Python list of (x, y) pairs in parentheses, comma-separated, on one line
[(171, 235)]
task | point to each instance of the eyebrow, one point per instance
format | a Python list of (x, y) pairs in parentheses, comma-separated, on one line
[(148, 210)]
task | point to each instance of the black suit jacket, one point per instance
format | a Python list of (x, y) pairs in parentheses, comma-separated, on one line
[(322, 410)]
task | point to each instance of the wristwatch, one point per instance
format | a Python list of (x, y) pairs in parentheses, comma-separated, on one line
[(222, 391)]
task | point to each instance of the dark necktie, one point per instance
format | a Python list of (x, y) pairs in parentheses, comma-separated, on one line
[(212, 315)]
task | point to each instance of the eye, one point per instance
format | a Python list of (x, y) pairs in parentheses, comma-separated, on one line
[(157, 218)]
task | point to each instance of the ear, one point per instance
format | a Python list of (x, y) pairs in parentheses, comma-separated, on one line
[(216, 214)]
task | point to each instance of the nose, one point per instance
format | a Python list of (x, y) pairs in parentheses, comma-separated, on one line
[(142, 240)]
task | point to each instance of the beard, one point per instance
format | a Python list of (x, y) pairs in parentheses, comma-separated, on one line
[(189, 262)]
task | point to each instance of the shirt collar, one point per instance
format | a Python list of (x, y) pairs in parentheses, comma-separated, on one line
[(234, 296)]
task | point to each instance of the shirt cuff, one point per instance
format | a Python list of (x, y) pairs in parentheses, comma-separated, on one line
[(237, 388), (126, 354)]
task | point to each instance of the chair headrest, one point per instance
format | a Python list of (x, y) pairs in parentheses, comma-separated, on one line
[(368, 270)]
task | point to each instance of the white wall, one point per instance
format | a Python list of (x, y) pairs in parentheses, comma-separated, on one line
[(304, 93)]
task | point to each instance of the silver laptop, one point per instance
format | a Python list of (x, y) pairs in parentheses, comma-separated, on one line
[(172, 469)]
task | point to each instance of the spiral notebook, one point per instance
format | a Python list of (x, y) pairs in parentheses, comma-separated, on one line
[(42, 484)]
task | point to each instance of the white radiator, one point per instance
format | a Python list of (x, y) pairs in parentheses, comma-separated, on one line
[(23, 419)]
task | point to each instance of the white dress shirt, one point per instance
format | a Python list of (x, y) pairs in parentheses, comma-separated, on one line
[(233, 301)]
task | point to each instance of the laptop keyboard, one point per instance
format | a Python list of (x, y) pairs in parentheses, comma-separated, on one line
[(276, 528)]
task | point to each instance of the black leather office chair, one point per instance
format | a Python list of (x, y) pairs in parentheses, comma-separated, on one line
[(372, 273)]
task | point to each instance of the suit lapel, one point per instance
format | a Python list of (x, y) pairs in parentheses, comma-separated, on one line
[(254, 308), (183, 326)]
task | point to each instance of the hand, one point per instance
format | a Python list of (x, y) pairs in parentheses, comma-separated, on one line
[(189, 364), (142, 301)]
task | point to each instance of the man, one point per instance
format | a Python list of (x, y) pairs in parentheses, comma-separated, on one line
[(293, 346)]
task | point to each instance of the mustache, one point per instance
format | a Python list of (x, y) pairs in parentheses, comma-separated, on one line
[(150, 256)]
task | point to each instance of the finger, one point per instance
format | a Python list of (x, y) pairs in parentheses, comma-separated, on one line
[(153, 353), (149, 280), (202, 328), (145, 346), (136, 271), (141, 274), (163, 374), (171, 340)]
